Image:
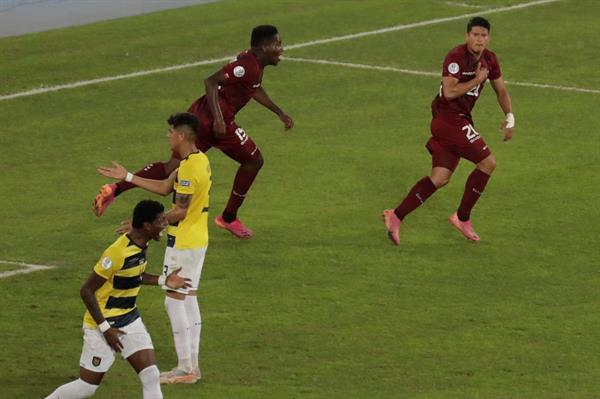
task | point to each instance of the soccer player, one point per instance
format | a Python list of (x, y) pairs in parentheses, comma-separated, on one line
[(453, 135), (227, 91), (112, 322), (187, 239)]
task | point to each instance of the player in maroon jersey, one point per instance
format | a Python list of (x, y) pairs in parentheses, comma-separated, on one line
[(453, 135), (227, 91)]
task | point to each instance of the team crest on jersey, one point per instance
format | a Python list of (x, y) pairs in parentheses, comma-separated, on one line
[(239, 71), (453, 68), (106, 263), (96, 361), (185, 183)]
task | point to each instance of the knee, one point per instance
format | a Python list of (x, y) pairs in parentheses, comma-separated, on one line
[(257, 161), (439, 181), (488, 165)]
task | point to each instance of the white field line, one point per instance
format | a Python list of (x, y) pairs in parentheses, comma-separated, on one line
[(437, 74), (26, 268), (395, 28)]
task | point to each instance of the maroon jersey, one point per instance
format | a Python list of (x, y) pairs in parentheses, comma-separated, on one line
[(461, 64)]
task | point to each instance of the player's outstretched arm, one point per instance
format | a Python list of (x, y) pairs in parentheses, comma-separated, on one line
[(173, 280), (88, 295), (506, 104), (118, 172), (261, 96)]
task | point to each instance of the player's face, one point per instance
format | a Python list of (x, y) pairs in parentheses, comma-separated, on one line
[(155, 228), (174, 137), (273, 50), (477, 39)]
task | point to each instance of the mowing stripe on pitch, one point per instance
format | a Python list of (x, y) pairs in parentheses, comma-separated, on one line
[(395, 28), (436, 74), (25, 268)]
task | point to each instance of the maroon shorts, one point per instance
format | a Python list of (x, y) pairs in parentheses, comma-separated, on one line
[(454, 139), (236, 144)]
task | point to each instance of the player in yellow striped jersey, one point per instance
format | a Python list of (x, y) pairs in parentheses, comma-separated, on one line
[(187, 239), (112, 322)]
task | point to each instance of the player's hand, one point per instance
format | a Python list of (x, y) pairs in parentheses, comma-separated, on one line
[(219, 128), (174, 280), (481, 74), (113, 338), (124, 227), (287, 120), (508, 131), (117, 171)]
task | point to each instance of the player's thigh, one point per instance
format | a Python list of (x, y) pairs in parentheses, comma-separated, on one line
[(135, 339), (460, 137), (239, 146), (441, 155), (190, 261), (96, 356)]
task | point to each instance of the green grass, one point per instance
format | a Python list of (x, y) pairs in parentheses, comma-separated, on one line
[(318, 304)]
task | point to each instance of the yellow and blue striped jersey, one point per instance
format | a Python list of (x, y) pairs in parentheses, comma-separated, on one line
[(122, 265), (193, 177)]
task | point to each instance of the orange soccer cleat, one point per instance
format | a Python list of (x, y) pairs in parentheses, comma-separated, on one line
[(104, 198)]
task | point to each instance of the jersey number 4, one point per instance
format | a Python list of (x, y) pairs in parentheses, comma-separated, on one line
[(471, 133)]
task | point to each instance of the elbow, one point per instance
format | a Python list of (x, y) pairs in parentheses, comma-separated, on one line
[(84, 292)]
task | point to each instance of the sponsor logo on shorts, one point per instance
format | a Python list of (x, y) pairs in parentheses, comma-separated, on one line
[(185, 183), (96, 361), (106, 263), (239, 71), (453, 68)]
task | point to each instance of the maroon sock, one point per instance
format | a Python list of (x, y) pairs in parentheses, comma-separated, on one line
[(243, 180), (417, 196), (154, 171), (473, 190)]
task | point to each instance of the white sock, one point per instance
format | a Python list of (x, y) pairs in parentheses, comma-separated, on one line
[(150, 377), (77, 389), (181, 332), (193, 312)]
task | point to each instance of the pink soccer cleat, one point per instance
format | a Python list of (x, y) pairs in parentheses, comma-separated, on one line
[(464, 227), (392, 224), (104, 198), (236, 228)]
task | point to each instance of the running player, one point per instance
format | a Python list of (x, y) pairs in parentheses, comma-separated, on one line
[(187, 239), (112, 322), (453, 135), (227, 91)]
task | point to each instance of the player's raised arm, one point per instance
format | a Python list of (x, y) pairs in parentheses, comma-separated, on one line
[(88, 295), (211, 85), (506, 104), (118, 172), (261, 96)]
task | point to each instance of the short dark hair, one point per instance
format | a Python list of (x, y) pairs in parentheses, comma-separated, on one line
[(479, 21), (262, 34), (146, 211), (184, 119)]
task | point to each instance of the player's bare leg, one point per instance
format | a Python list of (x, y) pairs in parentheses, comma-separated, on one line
[(249, 168), (474, 187), (109, 192)]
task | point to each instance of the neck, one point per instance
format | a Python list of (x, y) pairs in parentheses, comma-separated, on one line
[(138, 237), (186, 149), (259, 56), (474, 54)]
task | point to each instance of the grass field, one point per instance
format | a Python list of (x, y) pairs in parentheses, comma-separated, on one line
[(319, 304)]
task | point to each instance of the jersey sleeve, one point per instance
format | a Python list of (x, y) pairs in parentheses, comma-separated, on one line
[(109, 263), (452, 66), (185, 177), (495, 71), (239, 71)]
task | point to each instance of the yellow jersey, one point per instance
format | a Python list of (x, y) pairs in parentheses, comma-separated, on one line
[(193, 178), (122, 265)]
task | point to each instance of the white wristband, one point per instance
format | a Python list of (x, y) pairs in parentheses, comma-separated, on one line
[(104, 326), (162, 280), (510, 120), (129, 177)]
